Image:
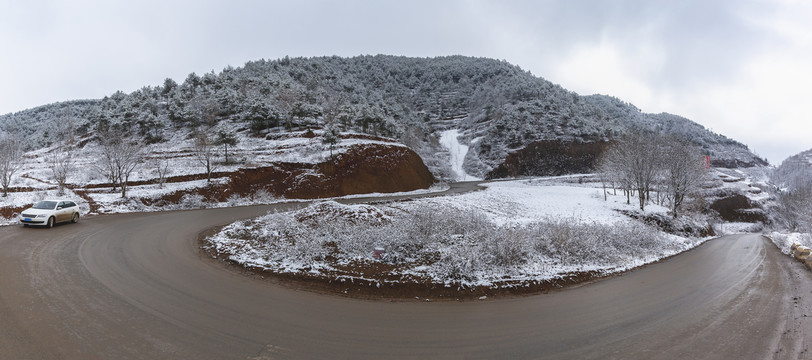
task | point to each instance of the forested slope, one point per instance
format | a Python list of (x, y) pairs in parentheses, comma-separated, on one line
[(498, 108)]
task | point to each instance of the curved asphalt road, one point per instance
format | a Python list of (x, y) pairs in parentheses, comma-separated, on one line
[(134, 286)]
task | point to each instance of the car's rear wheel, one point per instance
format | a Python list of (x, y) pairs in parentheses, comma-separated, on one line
[(75, 218), (50, 222)]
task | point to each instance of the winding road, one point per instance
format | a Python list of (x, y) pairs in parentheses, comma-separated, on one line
[(134, 286)]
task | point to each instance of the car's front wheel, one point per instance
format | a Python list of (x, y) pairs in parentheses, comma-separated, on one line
[(75, 218), (50, 222)]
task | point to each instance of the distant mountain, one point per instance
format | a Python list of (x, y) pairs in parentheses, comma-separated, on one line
[(795, 171), (497, 107), (723, 151), (37, 127)]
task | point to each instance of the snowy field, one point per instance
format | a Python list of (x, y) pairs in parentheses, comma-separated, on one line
[(526, 201), (513, 233)]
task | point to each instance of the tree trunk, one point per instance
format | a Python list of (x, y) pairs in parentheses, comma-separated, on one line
[(208, 170)]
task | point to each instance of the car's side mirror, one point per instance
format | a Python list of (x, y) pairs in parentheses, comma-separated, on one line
[(59, 208)]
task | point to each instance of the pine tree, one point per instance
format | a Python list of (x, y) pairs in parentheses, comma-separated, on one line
[(331, 137), (226, 137)]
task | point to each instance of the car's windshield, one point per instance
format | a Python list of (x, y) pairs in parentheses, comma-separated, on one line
[(48, 205)]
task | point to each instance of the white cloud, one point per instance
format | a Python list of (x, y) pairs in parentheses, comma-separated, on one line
[(764, 103), (736, 67), (766, 107), (605, 68)]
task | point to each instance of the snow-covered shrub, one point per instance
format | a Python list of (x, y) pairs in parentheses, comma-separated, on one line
[(571, 242), (460, 264), (434, 242), (507, 247), (329, 211), (263, 196), (192, 201)]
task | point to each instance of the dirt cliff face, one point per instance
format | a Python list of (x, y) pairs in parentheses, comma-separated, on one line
[(550, 158), (737, 208), (362, 169), (735, 163)]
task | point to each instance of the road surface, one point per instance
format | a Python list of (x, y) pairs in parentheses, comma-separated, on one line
[(134, 286)]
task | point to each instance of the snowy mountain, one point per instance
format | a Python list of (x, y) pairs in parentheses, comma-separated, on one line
[(495, 108), (794, 172), (724, 152)]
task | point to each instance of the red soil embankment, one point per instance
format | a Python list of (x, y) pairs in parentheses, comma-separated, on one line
[(362, 169)]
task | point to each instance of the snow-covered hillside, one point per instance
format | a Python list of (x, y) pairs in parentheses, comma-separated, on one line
[(794, 171), (186, 175), (414, 100)]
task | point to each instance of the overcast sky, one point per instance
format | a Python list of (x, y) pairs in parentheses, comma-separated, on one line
[(740, 68)]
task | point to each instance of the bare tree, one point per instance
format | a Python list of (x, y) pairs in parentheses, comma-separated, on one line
[(61, 163), (644, 164), (615, 169), (205, 152), (684, 171), (131, 154), (605, 175), (161, 168), (107, 153), (640, 161), (118, 157), (10, 163), (610, 170), (633, 161), (794, 208)]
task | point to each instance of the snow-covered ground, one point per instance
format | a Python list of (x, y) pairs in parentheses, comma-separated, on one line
[(520, 202), (519, 217), (785, 240), (511, 233), (295, 147), (747, 181), (35, 175), (457, 151)]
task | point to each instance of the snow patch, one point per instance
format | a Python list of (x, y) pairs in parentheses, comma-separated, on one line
[(457, 154)]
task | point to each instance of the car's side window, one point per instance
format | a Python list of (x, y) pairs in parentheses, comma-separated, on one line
[(61, 205), (69, 204)]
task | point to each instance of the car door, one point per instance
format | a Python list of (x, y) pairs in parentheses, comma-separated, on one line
[(62, 212), (70, 206)]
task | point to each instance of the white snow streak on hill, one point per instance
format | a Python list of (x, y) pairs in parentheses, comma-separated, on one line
[(457, 153)]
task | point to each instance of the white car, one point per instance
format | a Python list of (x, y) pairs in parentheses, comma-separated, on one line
[(49, 212)]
